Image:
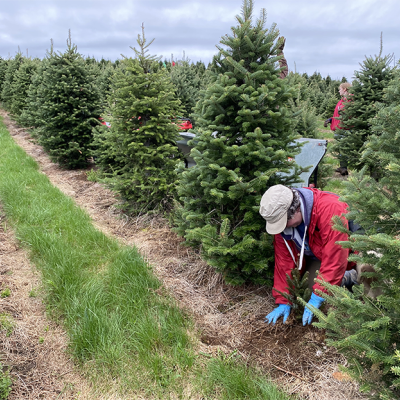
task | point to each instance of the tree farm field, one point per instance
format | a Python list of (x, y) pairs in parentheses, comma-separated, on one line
[(85, 325)]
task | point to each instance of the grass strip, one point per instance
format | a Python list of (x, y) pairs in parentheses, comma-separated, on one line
[(122, 329)]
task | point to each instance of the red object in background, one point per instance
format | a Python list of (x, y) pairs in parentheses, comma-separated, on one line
[(185, 125), (311, 185), (107, 124)]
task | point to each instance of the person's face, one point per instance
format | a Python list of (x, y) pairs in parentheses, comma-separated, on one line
[(342, 91), (295, 221)]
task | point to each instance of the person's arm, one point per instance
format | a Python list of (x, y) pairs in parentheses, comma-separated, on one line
[(334, 257), (284, 264)]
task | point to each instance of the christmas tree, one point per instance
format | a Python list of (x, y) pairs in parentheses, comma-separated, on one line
[(244, 142), (6, 91), (366, 91), (305, 120), (103, 81), (69, 107), (138, 152), (20, 86), (3, 70), (187, 84), (367, 330)]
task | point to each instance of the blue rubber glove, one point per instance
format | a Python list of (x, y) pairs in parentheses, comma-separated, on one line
[(316, 302), (283, 310)]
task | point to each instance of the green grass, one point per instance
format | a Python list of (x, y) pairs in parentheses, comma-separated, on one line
[(324, 133), (5, 293), (5, 384), (7, 323), (122, 331)]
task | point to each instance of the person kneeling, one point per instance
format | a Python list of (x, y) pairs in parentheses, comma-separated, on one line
[(301, 222)]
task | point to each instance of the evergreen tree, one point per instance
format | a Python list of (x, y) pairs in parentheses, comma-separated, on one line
[(103, 82), (187, 84), (366, 91), (304, 117), (69, 109), (298, 289), (139, 151), (12, 68), (31, 114), (3, 70), (329, 106), (365, 330), (243, 143), (20, 86)]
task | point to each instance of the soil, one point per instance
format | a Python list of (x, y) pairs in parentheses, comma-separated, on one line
[(228, 318)]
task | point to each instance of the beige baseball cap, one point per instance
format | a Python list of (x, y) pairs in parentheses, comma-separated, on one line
[(274, 206)]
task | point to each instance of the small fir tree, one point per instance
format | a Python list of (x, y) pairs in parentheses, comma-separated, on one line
[(299, 292), (139, 151), (244, 141), (367, 90), (20, 86), (366, 330), (3, 70), (31, 114), (103, 82), (12, 68), (70, 108)]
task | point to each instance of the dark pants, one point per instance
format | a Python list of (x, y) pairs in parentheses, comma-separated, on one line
[(312, 266)]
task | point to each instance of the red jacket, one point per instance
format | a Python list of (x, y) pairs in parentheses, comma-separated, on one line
[(322, 242), (335, 124)]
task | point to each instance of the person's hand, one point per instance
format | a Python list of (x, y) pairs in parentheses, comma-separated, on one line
[(316, 302), (327, 122), (283, 310)]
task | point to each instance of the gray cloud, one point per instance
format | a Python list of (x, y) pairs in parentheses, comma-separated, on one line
[(322, 35)]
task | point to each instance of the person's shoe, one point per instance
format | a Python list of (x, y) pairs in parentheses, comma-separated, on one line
[(342, 171), (349, 279)]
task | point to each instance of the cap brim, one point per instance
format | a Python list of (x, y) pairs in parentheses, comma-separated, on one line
[(278, 226)]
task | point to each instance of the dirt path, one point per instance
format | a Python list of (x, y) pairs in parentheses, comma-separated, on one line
[(32, 347), (228, 318)]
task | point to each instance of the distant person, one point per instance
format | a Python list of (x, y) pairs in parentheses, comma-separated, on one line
[(335, 123), (301, 222)]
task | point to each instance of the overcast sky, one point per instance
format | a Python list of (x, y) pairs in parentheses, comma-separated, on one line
[(331, 37)]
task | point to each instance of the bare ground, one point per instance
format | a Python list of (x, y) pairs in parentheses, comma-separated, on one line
[(228, 318)]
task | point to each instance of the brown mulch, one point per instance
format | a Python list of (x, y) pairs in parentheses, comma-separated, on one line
[(228, 318)]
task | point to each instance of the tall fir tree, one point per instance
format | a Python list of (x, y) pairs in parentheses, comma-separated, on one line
[(70, 107), (20, 86), (12, 68), (138, 152), (367, 330), (367, 90), (244, 141)]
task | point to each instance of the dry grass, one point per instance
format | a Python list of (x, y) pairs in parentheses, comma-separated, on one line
[(228, 318)]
